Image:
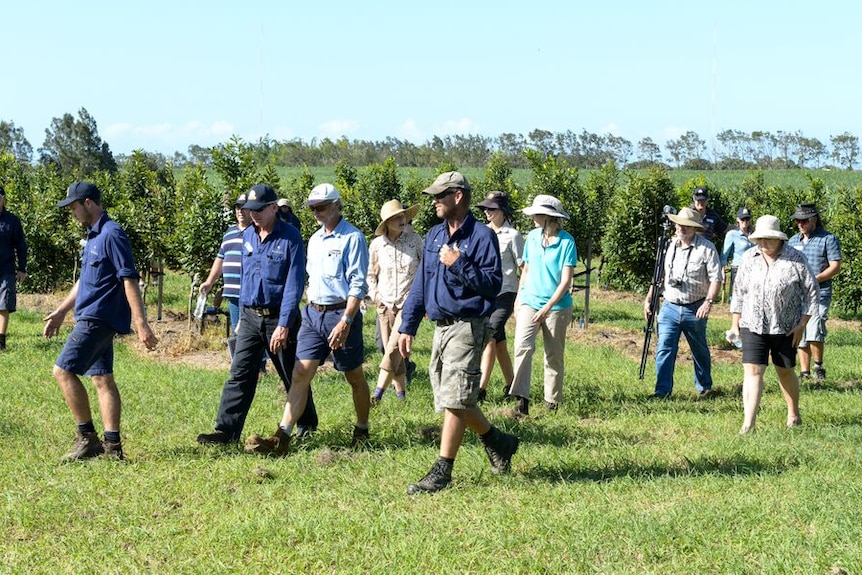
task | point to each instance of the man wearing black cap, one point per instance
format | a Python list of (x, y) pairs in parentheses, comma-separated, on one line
[(823, 252), (713, 226), (273, 278), (736, 243), (107, 299), (13, 250)]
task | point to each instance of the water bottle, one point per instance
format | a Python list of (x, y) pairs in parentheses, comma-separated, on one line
[(733, 338), (201, 306)]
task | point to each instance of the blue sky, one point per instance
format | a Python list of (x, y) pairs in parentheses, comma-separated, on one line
[(163, 75)]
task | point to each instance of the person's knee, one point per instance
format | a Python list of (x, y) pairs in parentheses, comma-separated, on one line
[(60, 374), (105, 382)]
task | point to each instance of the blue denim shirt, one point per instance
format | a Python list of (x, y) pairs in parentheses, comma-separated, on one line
[(337, 265), (468, 288), (272, 270), (735, 244), (105, 262)]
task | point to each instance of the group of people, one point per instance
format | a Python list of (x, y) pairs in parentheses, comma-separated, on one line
[(466, 277), (781, 290)]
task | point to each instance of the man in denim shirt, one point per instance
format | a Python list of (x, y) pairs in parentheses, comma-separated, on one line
[(456, 288), (823, 252)]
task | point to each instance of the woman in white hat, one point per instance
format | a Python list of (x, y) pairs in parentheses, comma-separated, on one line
[(774, 296), (499, 213), (544, 301), (394, 257)]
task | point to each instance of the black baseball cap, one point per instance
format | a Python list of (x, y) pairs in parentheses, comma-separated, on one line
[(80, 191)]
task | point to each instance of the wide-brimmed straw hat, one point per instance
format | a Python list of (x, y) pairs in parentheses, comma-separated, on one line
[(546, 205), (767, 227), (687, 217), (391, 209)]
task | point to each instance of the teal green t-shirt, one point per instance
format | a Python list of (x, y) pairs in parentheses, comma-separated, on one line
[(546, 267)]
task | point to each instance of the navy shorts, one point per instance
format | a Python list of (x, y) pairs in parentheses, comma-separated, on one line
[(7, 292), (756, 349), (313, 339), (501, 314), (89, 349)]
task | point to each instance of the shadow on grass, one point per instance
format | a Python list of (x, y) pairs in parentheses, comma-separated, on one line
[(727, 466)]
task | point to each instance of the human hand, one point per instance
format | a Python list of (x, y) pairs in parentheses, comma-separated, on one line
[(278, 340), (54, 321), (205, 288), (20, 276), (405, 345), (147, 337), (448, 255), (338, 335)]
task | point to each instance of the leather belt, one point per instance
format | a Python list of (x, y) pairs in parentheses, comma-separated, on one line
[(448, 321), (328, 307), (698, 302), (263, 311)]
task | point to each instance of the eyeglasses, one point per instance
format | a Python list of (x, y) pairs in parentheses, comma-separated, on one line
[(320, 207), (803, 221), (439, 197)]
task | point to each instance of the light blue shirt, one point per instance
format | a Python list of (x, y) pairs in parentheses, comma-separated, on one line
[(735, 244), (337, 265), (546, 268)]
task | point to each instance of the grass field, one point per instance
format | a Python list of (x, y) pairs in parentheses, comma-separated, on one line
[(611, 483)]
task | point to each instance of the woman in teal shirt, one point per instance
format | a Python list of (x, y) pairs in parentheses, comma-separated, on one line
[(544, 301)]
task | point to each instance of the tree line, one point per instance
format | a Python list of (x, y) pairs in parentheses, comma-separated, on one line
[(73, 143), (177, 221)]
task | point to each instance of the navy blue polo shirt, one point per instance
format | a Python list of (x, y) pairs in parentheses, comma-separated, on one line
[(12, 244), (105, 262), (467, 289), (273, 270)]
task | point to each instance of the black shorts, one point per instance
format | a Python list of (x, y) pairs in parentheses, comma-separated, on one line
[(501, 314), (756, 349)]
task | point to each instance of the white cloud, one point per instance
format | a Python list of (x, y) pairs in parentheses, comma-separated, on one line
[(336, 128), (461, 127), (411, 132)]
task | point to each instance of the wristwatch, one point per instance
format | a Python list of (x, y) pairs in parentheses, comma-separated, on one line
[(347, 319)]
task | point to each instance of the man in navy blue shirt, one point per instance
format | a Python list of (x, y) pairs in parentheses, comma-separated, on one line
[(106, 298), (273, 278), (456, 288), (13, 251)]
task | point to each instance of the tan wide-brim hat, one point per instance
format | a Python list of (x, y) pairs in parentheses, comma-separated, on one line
[(391, 209), (687, 217), (766, 228)]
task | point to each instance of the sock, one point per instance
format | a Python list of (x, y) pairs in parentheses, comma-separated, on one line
[(401, 394), (112, 436), (286, 428), (2, 340), (818, 364), (86, 427), (447, 462), (489, 435), (361, 426), (378, 392)]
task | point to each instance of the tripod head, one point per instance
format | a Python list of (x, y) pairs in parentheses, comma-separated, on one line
[(665, 221)]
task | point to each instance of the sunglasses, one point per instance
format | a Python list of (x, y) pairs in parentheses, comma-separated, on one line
[(320, 207), (803, 221), (439, 197)]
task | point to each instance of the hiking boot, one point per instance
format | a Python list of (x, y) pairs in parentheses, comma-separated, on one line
[(819, 374), (217, 437), (500, 449), (706, 394), (86, 446), (522, 408), (439, 478), (113, 450), (276, 445), (360, 436)]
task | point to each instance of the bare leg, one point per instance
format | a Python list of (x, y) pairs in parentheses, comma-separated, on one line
[(74, 394), (752, 390), (455, 422), (805, 358), (489, 356), (789, 383), (505, 361), (817, 351), (297, 397), (109, 401), (4, 321), (361, 396)]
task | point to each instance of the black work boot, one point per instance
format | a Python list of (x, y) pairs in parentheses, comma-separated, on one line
[(500, 448), (522, 408), (437, 479), (86, 446), (3, 342)]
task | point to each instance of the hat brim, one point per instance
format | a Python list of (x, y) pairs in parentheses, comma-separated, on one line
[(543, 211), (255, 205), (66, 201), (409, 213), (804, 215), (768, 235), (685, 221), (490, 204)]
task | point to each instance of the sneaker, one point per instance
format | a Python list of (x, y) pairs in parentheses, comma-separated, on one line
[(439, 478), (522, 408), (276, 445), (218, 437), (360, 436), (819, 374), (500, 451), (706, 394), (113, 450), (483, 395), (86, 446), (411, 369)]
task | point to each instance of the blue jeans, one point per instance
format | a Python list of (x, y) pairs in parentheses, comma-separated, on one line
[(674, 319)]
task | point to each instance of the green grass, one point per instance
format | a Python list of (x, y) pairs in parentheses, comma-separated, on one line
[(609, 484)]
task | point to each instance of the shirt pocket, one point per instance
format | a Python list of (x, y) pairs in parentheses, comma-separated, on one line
[(96, 269), (332, 264), (275, 268)]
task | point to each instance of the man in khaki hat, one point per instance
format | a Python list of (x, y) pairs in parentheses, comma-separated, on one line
[(456, 288), (692, 278)]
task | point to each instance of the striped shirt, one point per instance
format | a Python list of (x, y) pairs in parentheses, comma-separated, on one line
[(231, 252)]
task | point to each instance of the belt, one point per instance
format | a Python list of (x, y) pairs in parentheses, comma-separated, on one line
[(263, 311), (328, 307), (448, 321), (698, 302)]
